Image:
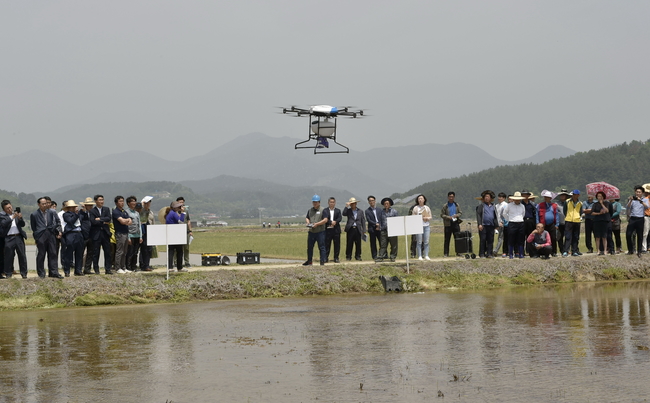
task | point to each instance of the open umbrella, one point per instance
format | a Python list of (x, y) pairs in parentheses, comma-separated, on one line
[(611, 191), (161, 215)]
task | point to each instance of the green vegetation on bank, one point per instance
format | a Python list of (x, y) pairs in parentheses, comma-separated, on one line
[(17, 294)]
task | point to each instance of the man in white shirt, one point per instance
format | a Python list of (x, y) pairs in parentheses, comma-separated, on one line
[(503, 231), (514, 213)]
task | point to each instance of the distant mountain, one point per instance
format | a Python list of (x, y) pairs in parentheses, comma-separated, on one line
[(222, 195), (133, 161), (623, 166), (36, 170), (251, 194), (380, 171), (547, 154)]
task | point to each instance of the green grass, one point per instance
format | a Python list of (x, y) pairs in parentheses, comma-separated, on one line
[(291, 243), (283, 243)]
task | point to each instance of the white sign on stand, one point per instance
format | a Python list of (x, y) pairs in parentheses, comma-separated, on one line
[(167, 234), (405, 225)]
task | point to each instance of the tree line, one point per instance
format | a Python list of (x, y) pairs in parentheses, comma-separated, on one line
[(624, 166)]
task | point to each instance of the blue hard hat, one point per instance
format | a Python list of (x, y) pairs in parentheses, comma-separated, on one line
[(576, 192), (315, 198)]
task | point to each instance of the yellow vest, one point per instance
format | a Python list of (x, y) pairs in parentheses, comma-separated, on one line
[(573, 211)]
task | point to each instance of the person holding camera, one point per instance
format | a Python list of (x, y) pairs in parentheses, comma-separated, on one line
[(176, 215), (11, 229), (316, 224), (635, 212), (74, 239), (188, 221)]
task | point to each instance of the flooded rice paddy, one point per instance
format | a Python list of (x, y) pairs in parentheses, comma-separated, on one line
[(574, 343)]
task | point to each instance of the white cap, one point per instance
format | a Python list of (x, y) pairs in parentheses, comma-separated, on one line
[(147, 199)]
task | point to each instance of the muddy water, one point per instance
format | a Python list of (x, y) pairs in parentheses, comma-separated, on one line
[(579, 343)]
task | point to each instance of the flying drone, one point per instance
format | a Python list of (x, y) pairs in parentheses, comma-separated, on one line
[(322, 126)]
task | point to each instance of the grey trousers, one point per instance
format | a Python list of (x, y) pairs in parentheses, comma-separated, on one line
[(121, 249), (384, 240)]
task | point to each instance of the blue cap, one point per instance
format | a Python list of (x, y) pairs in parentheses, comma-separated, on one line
[(315, 198), (576, 192)]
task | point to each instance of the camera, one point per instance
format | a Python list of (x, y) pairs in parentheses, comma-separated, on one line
[(17, 209)]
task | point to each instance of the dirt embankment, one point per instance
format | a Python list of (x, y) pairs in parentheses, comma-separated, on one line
[(280, 281)]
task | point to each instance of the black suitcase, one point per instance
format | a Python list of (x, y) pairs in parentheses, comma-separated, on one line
[(248, 257), (463, 244)]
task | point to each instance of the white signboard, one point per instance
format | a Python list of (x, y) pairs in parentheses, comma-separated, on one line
[(405, 225), (167, 234)]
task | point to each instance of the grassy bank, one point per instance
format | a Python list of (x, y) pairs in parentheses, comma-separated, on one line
[(142, 288)]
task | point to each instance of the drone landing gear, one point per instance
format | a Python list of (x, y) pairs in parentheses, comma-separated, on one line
[(323, 132), (322, 145)]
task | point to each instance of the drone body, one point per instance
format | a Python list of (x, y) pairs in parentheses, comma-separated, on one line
[(323, 128)]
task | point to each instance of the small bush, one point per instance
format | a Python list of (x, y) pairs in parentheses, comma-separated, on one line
[(92, 299), (562, 276), (615, 274)]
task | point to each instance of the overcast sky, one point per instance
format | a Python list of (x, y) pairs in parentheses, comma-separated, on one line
[(83, 79)]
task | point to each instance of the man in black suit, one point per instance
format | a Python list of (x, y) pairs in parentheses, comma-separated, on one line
[(374, 224), (355, 228), (11, 230), (100, 233), (333, 229), (46, 228)]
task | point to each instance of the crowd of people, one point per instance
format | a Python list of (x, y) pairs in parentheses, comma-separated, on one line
[(520, 226), (76, 236)]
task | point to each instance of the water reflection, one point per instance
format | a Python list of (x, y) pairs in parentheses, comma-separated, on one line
[(584, 342)]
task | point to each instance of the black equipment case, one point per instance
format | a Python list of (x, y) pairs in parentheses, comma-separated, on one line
[(248, 257), (214, 259)]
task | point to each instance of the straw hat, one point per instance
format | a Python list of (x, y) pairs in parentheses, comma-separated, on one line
[(70, 203), (487, 192), (563, 192), (352, 200), (517, 196), (88, 202)]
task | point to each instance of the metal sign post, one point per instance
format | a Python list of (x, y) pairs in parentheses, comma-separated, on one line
[(405, 225), (167, 234)]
